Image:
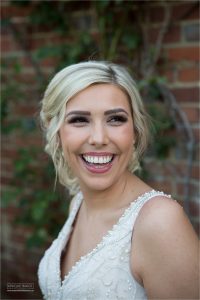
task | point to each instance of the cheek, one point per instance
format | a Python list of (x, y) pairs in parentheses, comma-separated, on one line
[(125, 137), (71, 141)]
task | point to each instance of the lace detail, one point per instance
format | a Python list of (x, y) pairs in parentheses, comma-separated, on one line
[(102, 273)]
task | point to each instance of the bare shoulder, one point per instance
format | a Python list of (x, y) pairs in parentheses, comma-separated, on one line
[(161, 213), (163, 223), (165, 250)]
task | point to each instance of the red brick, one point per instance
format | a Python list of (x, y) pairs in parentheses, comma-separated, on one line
[(156, 14), (194, 209), (172, 35), (186, 11), (5, 180), (182, 168), (164, 186), (57, 39), (7, 142), (25, 110), (15, 11), (193, 190), (8, 175), (20, 234), (34, 141), (196, 132), (5, 44), (9, 44), (186, 94), (49, 62), (8, 153), (10, 212), (192, 114), (183, 53), (197, 153), (6, 165), (37, 42), (189, 75), (25, 78), (47, 41), (195, 172)]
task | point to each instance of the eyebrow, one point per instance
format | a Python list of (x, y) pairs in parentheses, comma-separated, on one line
[(87, 113), (114, 111), (78, 112)]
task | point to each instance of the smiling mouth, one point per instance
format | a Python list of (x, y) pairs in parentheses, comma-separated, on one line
[(97, 160)]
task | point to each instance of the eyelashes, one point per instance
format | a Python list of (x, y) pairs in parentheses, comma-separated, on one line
[(115, 120), (77, 120)]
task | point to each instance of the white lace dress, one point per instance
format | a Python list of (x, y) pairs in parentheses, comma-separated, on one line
[(102, 274)]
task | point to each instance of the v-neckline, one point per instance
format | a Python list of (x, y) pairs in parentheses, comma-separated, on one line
[(109, 233)]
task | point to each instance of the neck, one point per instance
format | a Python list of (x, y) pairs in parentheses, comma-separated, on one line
[(101, 200)]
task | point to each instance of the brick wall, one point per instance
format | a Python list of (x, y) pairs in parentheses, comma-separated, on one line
[(179, 63)]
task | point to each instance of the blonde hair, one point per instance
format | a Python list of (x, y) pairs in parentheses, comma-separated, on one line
[(72, 80)]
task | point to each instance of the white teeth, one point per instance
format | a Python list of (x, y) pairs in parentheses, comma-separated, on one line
[(101, 160), (98, 159), (95, 160)]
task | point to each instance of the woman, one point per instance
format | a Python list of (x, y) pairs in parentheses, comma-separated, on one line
[(122, 239)]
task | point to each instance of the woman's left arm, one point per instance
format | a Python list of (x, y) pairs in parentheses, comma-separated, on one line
[(165, 252)]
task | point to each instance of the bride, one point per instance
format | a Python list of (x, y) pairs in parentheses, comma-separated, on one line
[(122, 239)]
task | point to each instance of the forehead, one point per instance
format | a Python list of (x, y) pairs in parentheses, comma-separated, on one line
[(99, 96)]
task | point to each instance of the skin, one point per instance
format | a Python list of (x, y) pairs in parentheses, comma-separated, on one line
[(164, 255)]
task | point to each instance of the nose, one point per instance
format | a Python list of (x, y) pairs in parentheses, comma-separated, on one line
[(98, 135)]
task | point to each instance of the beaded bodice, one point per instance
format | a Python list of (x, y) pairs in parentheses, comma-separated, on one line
[(105, 272)]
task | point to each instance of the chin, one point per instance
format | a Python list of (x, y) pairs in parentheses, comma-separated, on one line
[(96, 185)]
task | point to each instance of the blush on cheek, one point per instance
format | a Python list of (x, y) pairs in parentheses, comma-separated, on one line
[(69, 158), (127, 134)]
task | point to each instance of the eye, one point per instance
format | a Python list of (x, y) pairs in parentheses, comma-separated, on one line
[(117, 120), (78, 121)]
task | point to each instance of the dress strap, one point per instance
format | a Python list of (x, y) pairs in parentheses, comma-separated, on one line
[(140, 202)]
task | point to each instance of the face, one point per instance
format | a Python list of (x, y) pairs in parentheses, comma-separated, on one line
[(97, 136)]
